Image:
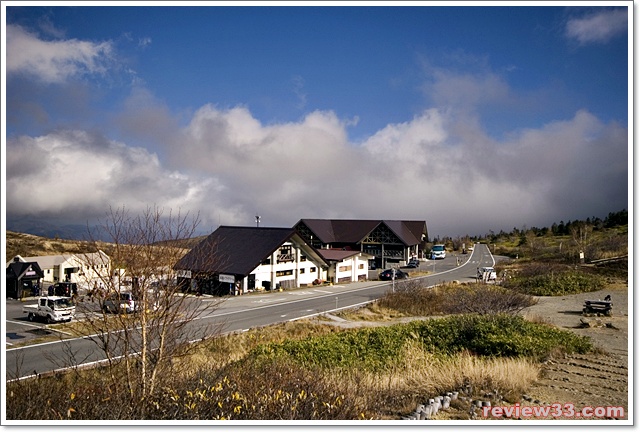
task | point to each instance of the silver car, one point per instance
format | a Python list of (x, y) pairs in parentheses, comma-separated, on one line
[(124, 302)]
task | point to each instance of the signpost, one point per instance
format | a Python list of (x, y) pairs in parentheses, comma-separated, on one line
[(227, 278)]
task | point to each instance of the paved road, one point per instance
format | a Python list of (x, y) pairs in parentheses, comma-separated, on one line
[(235, 314)]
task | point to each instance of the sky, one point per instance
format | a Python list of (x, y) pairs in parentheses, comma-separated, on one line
[(472, 118)]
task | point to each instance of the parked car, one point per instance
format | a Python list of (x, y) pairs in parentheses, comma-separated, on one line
[(124, 302), (388, 274), (413, 263)]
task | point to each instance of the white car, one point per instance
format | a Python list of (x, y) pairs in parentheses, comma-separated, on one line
[(487, 274)]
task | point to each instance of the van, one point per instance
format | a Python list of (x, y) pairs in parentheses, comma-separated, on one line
[(438, 252)]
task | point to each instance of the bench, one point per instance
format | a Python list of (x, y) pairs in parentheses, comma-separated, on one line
[(598, 306)]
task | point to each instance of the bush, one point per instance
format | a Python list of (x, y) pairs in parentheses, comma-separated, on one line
[(377, 348), (554, 280), (416, 300)]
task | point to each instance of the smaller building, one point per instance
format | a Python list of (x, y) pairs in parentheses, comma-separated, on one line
[(82, 269), (346, 265), (23, 279)]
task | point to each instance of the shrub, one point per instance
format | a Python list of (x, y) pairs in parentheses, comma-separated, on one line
[(377, 348), (554, 280), (417, 300)]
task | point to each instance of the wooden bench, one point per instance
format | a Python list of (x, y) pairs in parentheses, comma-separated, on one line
[(598, 306)]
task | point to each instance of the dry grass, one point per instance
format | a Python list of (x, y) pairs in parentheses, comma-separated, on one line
[(219, 381), (436, 374)]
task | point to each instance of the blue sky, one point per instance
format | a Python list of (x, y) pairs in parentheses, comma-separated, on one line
[(471, 118)]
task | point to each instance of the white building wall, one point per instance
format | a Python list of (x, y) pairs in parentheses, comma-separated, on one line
[(283, 268), (352, 269)]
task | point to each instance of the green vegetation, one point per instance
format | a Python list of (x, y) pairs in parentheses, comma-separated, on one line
[(554, 280), (307, 372), (378, 348)]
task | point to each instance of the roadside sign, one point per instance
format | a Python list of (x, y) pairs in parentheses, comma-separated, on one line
[(227, 278)]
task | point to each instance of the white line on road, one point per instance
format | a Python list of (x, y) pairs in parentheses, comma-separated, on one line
[(25, 324), (321, 291)]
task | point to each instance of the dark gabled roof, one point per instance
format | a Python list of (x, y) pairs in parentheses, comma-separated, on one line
[(410, 232), (337, 254), (236, 250), (18, 270), (355, 230)]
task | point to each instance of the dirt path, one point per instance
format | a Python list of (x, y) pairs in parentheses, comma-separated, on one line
[(594, 380)]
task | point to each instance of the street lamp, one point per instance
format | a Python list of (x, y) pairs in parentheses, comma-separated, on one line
[(257, 221)]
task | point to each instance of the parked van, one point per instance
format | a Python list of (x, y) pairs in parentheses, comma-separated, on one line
[(438, 252)]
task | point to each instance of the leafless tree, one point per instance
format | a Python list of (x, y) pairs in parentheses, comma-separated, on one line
[(144, 345), (581, 234)]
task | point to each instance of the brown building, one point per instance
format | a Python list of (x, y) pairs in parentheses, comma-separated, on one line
[(387, 241)]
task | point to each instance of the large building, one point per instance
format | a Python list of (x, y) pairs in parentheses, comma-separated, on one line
[(241, 259), (234, 260), (386, 241)]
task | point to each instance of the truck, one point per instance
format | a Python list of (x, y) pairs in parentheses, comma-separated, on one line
[(53, 309)]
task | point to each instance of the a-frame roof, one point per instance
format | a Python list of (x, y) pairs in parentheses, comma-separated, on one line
[(238, 250), (17, 270), (355, 230)]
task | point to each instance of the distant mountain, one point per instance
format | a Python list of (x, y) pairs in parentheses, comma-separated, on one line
[(47, 229)]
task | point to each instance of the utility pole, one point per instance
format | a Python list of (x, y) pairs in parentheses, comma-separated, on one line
[(257, 221), (393, 283)]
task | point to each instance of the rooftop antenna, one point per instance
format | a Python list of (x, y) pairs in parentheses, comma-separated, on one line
[(257, 221)]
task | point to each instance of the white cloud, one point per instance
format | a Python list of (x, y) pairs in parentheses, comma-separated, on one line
[(228, 166), (53, 61), (76, 174), (599, 27)]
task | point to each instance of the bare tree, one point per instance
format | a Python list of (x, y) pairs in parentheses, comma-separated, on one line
[(581, 233), (143, 344)]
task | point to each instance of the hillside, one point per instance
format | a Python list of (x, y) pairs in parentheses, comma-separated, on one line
[(33, 245)]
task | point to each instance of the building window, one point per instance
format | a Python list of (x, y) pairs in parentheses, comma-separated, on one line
[(302, 271), (303, 258), (267, 261), (344, 268), (361, 267), (285, 254), (312, 270), (284, 273)]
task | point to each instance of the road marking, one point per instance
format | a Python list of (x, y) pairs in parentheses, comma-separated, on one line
[(321, 291), (24, 324), (265, 301), (299, 293)]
